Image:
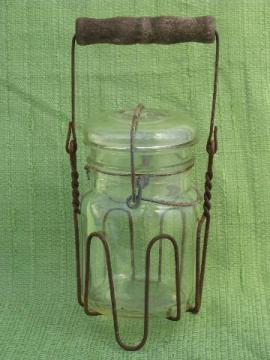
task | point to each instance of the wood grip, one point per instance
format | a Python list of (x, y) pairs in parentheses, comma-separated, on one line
[(145, 30)]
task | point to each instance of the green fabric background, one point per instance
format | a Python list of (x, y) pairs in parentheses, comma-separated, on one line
[(39, 317)]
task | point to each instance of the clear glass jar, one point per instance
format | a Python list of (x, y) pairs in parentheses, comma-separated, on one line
[(163, 160)]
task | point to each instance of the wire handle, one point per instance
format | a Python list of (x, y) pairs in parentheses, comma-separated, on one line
[(145, 30)]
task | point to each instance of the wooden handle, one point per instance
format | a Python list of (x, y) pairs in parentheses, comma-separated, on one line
[(145, 30)]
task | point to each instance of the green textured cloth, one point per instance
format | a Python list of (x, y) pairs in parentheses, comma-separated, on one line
[(39, 317)]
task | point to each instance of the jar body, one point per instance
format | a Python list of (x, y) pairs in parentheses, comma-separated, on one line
[(128, 233)]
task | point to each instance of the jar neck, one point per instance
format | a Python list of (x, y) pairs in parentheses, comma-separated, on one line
[(119, 187)]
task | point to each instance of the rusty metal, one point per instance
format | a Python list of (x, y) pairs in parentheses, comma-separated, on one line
[(102, 238), (71, 149), (138, 184), (182, 239), (211, 148)]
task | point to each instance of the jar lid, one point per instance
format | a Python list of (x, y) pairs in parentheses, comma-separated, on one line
[(160, 135), (157, 129)]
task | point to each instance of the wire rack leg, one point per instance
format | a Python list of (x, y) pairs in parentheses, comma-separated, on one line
[(182, 238), (102, 238)]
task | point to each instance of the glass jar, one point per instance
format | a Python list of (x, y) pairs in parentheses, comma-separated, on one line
[(163, 163)]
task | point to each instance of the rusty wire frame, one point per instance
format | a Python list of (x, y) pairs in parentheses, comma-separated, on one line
[(204, 221), (102, 238)]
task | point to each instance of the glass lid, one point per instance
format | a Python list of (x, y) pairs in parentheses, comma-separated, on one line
[(162, 142), (157, 129)]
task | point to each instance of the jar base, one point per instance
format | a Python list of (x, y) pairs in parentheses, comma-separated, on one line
[(129, 295)]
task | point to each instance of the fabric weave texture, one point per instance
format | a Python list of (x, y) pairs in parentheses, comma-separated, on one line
[(39, 316)]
